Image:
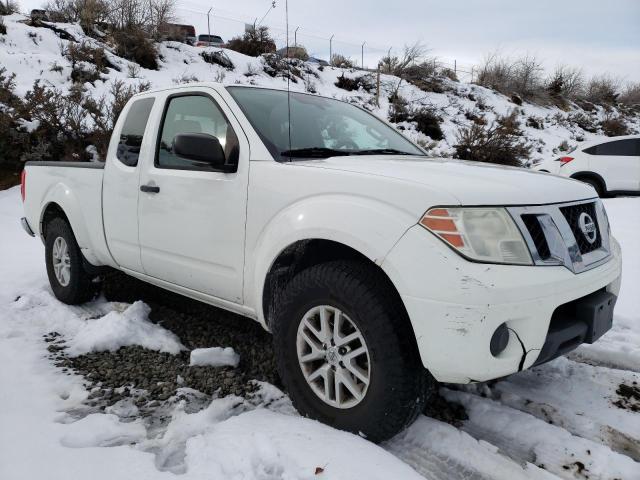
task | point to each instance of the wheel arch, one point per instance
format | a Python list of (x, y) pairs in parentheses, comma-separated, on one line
[(592, 175), (303, 254)]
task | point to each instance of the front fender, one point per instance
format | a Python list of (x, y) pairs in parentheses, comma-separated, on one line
[(368, 225)]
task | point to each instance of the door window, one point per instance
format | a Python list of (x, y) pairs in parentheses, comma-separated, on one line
[(194, 114), (621, 148), (132, 132)]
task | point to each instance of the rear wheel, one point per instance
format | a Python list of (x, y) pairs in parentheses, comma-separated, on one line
[(69, 281), (346, 353)]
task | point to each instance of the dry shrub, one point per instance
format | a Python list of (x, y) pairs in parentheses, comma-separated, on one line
[(631, 95), (3, 28), (614, 126), (218, 57), (584, 121), (254, 42), (522, 76), (565, 83), (9, 7), (500, 143), (276, 66), (425, 118), (602, 89), (134, 45), (340, 61), (366, 82)]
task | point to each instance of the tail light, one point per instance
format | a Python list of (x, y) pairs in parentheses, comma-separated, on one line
[(564, 160), (23, 184)]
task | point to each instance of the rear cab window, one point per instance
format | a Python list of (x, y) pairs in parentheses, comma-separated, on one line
[(132, 132)]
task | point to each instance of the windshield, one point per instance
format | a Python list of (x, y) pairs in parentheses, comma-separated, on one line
[(320, 127)]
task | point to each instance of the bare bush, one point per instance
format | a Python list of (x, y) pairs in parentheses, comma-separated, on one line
[(254, 42), (162, 12), (218, 58), (133, 44), (500, 143), (105, 110), (565, 83), (425, 118), (602, 89), (9, 7), (365, 82), (340, 61), (86, 12), (522, 76), (631, 95), (614, 126), (3, 28)]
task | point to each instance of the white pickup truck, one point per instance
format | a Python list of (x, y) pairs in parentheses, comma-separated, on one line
[(379, 271)]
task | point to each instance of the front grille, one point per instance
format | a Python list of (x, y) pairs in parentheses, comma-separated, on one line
[(537, 235), (572, 214)]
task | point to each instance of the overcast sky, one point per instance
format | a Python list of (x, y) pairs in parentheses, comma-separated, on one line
[(598, 36), (595, 35)]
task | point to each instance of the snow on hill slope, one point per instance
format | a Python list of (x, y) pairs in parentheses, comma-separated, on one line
[(37, 53)]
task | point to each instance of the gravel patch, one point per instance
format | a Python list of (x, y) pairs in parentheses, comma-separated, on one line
[(150, 378)]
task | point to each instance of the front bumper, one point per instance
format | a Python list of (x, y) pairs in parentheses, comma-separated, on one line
[(455, 305)]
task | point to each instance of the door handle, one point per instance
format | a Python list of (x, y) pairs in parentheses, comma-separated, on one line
[(149, 189)]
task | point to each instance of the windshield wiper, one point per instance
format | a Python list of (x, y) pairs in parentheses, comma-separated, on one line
[(381, 151), (313, 152)]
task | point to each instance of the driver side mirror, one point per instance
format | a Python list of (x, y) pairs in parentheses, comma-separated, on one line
[(202, 148)]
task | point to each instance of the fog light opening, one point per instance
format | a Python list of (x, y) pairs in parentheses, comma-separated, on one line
[(499, 340)]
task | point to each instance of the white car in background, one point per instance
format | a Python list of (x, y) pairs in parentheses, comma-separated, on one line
[(611, 166)]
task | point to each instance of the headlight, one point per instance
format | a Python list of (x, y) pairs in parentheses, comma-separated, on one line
[(481, 234)]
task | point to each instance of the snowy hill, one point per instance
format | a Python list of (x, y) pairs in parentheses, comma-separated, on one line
[(39, 53)]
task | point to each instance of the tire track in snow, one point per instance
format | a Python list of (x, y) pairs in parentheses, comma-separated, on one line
[(439, 451), (525, 438), (577, 397)]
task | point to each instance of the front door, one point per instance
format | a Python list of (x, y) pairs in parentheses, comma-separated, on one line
[(191, 218)]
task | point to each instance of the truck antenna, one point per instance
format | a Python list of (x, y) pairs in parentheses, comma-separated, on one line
[(286, 9)]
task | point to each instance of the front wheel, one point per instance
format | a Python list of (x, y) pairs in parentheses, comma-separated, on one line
[(69, 281), (346, 352)]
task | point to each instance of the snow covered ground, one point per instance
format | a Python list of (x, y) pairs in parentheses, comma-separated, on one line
[(567, 419)]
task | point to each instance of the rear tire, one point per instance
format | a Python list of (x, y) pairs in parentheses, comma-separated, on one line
[(70, 283), (397, 386)]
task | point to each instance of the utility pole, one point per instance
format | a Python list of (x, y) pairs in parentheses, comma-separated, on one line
[(362, 55), (295, 37), (331, 50), (209, 25)]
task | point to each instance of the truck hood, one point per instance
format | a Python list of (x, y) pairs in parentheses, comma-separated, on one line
[(472, 183)]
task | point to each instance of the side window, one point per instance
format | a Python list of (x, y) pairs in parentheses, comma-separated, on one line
[(621, 148), (133, 131), (194, 114)]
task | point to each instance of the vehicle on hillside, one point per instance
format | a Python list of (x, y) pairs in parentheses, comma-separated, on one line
[(611, 166), (379, 271), (209, 41), (178, 33)]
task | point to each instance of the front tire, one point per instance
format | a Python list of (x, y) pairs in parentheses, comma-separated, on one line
[(346, 352), (70, 283)]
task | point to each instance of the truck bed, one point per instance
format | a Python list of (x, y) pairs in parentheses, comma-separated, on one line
[(75, 188)]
